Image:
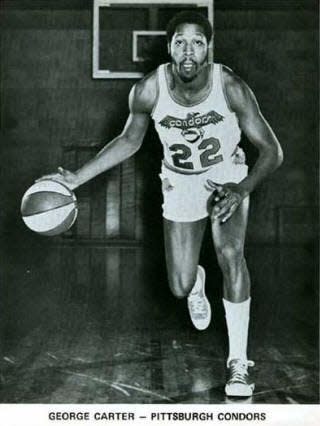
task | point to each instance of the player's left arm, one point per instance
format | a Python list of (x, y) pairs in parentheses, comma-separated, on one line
[(251, 121)]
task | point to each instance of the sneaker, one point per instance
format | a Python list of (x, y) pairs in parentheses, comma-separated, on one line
[(198, 304), (239, 383)]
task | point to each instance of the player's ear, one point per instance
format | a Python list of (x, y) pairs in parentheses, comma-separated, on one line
[(169, 48)]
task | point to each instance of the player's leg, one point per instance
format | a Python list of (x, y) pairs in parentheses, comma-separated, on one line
[(229, 239), (186, 278)]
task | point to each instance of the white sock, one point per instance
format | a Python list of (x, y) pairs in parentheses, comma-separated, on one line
[(237, 317), (197, 285)]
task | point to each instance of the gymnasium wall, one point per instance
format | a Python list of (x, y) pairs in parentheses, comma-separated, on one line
[(274, 51), (53, 113)]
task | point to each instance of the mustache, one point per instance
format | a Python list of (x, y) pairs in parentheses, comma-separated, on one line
[(188, 60)]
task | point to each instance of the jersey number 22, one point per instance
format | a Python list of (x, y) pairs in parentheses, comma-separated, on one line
[(207, 158)]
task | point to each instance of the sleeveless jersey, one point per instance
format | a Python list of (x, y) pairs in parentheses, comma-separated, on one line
[(197, 137)]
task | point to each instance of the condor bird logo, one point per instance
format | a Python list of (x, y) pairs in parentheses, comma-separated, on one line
[(191, 126), (192, 120)]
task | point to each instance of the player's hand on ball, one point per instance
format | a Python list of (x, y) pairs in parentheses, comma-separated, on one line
[(63, 176), (226, 199)]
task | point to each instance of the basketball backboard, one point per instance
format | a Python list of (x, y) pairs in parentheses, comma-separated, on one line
[(125, 31)]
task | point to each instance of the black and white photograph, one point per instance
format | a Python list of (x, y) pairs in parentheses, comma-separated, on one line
[(159, 215)]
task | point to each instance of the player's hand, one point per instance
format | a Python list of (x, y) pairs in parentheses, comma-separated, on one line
[(63, 176), (226, 199)]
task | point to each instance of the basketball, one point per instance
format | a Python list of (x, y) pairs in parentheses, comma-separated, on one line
[(49, 208)]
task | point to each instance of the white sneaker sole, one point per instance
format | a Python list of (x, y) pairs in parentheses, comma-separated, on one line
[(239, 389), (202, 324)]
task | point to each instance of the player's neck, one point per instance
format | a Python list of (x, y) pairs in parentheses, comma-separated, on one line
[(194, 85), (193, 90)]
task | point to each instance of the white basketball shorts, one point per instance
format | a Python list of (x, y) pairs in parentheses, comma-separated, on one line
[(186, 197)]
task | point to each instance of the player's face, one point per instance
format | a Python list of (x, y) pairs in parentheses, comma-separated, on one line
[(188, 50)]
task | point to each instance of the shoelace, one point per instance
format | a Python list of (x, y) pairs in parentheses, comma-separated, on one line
[(239, 371), (198, 306)]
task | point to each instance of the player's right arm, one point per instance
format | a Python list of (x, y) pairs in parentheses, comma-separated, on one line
[(141, 101)]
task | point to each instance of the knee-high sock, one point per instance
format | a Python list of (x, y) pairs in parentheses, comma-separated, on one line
[(237, 317)]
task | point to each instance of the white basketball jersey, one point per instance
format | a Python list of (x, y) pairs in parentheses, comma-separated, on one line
[(197, 137)]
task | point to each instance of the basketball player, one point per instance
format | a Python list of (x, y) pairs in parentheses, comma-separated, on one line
[(199, 110)]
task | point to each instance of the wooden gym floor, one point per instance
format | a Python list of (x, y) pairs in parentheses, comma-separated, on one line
[(96, 325)]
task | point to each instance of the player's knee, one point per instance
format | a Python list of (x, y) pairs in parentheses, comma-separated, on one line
[(180, 285), (178, 292), (230, 254)]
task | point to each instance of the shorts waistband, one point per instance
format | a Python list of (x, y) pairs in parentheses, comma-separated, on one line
[(220, 166), (183, 171)]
